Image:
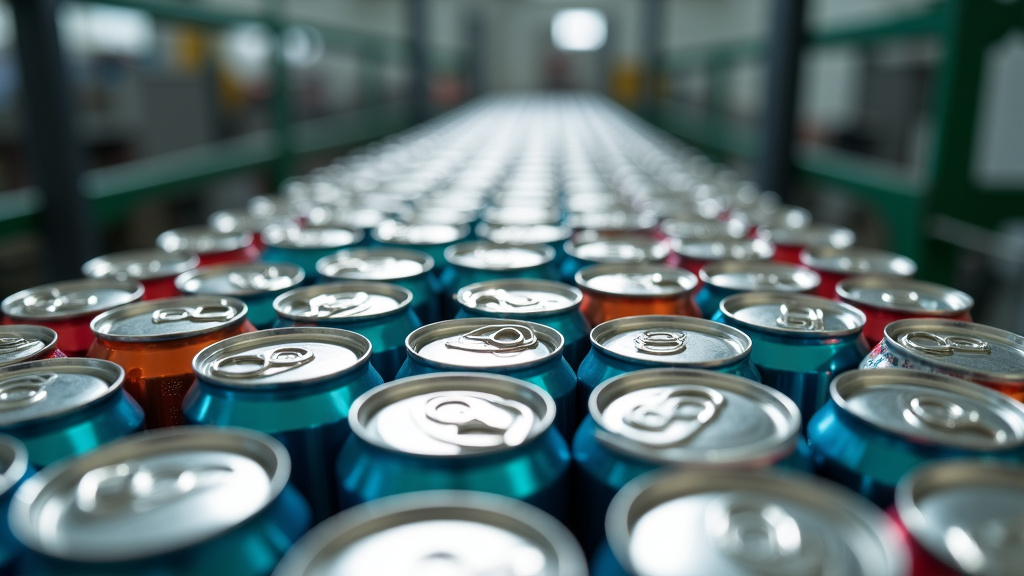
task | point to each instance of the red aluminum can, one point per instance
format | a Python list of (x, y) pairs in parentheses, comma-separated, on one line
[(212, 246), (155, 343), (68, 307), (790, 241), (151, 267), (26, 342), (886, 299), (835, 265), (694, 255), (613, 291)]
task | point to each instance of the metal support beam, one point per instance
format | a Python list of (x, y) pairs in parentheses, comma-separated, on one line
[(416, 20), (68, 232), (654, 12)]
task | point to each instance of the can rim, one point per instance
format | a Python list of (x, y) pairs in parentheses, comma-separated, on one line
[(687, 280), (822, 229), (818, 258), (110, 372), (450, 254), (293, 272), (185, 262), (15, 472), (268, 233), (134, 289), (708, 272), (45, 334), (961, 302), (572, 245), (733, 304), (486, 231), (225, 242), (446, 328), (620, 325), (399, 294), (763, 249), (890, 340), (418, 256), (150, 306), (571, 293), (461, 232)]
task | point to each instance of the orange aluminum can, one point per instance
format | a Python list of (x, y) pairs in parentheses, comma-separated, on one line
[(613, 291)]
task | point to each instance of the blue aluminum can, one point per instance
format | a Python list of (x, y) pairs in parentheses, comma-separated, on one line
[(65, 406), (524, 350), (552, 235), (380, 312), (728, 277), (671, 417), (458, 430), (410, 269), (587, 248), (799, 342), (297, 384), (187, 501), (256, 284), (287, 242), (14, 469), (552, 304), (430, 238), (480, 261), (881, 424)]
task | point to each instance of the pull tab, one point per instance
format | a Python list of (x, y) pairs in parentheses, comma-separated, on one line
[(194, 314), (939, 345), (500, 299), (675, 415), (801, 318), (764, 538), (937, 413), (476, 420), (268, 279), (496, 339), (11, 345), (55, 301), (21, 391), (342, 305), (130, 487), (660, 342), (769, 280), (263, 364)]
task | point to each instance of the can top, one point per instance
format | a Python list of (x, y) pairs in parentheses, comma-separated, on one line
[(798, 315), (699, 229), (677, 341), (149, 494), (724, 248), (21, 342), (342, 301), (240, 279), (169, 319), (70, 299), (452, 414), (740, 523), (524, 234), (751, 275), (146, 264), (483, 255), (613, 221), (482, 343), (695, 417), (294, 237), (13, 462), (598, 250), (281, 358), (45, 389), (638, 280), (971, 351), (931, 409), (857, 260), (437, 215), (202, 240), (519, 297), (904, 295), (437, 532), (350, 217), (375, 264), (981, 503), (810, 236), (394, 232), (242, 219), (521, 215)]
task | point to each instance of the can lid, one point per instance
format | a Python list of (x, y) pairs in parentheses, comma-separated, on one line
[(294, 237), (70, 299), (281, 357), (966, 513), (394, 232), (242, 220), (146, 264), (375, 264), (240, 279), (451, 215), (904, 295), (695, 417), (856, 260), (971, 351), (810, 236), (699, 229), (931, 408), (524, 234), (520, 298), (202, 240), (677, 341), (13, 463), (740, 523), (169, 319), (639, 280), (338, 302), (724, 248), (613, 221), (521, 215), (21, 342), (438, 532), (452, 414), (482, 343), (752, 275), (798, 315), (483, 255), (45, 389), (350, 217), (601, 250), (149, 494)]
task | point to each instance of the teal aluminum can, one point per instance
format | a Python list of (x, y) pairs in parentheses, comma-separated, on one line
[(430, 238), (552, 304), (303, 246), (296, 384), (381, 312), (588, 248), (676, 418), (186, 501), (410, 269), (480, 261), (460, 430), (14, 469), (728, 277), (881, 424), (256, 284), (524, 350), (63, 407), (553, 235)]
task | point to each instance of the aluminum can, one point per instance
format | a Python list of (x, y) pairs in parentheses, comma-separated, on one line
[(881, 424), (552, 235), (670, 417), (296, 384), (790, 241), (256, 283), (65, 406), (981, 354), (524, 350), (521, 215), (799, 342), (304, 246), (740, 523), (192, 501), (155, 343), (434, 531), (885, 299), (429, 238), (552, 304), (697, 229), (590, 248), (351, 217), (245, 220), (212, 246), (613, 291), (68, 307), (983, 501), (27, 342), (835, 265), (14, 470), (378, 311), (730, 277), (615, 222), (153, 268), (472, 262), (694, 255), (457, 430)]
